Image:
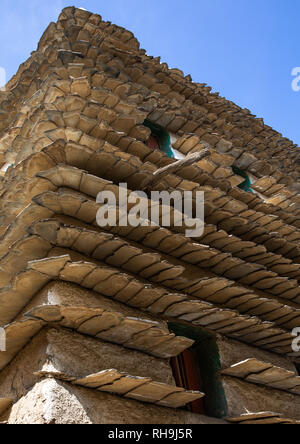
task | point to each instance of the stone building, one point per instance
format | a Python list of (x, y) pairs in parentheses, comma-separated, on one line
[(124, 324)]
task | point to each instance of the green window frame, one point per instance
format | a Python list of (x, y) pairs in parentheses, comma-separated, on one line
[(162, 136)]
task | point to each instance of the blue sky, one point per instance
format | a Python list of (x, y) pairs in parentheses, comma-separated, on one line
[(244, 50)]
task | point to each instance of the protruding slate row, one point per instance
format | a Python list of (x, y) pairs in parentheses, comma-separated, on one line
[(114, 251), (75, 205), (267, 185), (14, 298), (134, 387), (17, 335), (262, 373), (177, 81), (262, 418), (126, 289), (267, 224), (210, 199), (17, 257), (138, 334), (268, 310), (222, 205), (80, 161), (219, 240)]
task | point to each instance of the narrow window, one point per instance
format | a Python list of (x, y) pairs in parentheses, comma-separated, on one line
[(159, 139), (199, 369), (246, 185), (187, 375)]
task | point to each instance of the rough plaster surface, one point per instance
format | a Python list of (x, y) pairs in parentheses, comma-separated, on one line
[(62, 350), (243, 397), (53, 402), (79, 355), (232, 352), (76, 355), (17, 378)]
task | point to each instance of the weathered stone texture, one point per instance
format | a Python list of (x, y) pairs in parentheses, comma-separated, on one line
[(77, 299), (53, 402)]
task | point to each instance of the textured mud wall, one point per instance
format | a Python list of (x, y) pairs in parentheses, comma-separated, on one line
[(76, 299), (247, 397), (52, 402)]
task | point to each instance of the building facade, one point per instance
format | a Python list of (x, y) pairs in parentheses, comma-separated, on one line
[(142, 324)]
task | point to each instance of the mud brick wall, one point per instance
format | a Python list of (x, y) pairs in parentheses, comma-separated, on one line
[(86, 310)]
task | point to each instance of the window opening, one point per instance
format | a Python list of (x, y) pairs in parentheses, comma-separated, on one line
[(160, 139), (246, 185), (199, 369)]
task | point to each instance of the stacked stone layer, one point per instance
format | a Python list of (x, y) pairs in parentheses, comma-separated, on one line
[(71, 126)]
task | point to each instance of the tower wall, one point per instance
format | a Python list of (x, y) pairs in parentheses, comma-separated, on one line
[(93, 316)]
